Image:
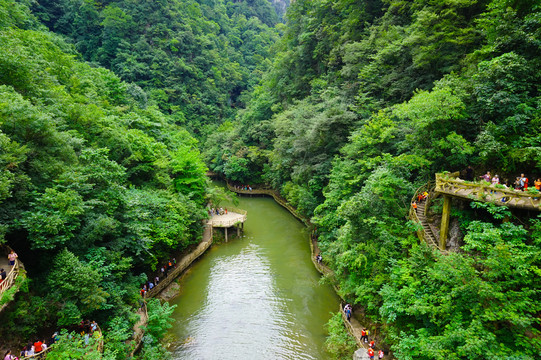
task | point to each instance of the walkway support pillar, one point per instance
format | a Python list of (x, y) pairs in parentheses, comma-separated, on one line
[(238, 230), (445, 217), (225, 234)]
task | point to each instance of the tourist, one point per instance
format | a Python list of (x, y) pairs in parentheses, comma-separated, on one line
[(347, 310), (364, 335), (44, 345), (94, 326), (54, 338), (23, 352), (469, 173), (319, 258), (11, 257), (495, 180), (38, 346), (150, 285), (414, 206), (372, 344), (156, 280), (486, 177), (3, 275), (381, 354), (523, 182), (8, 356), (425, 195), (29, 350), (371, 353), (225, 211), (143, 291), (517, 183)]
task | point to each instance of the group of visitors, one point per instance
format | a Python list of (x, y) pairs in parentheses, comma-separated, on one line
[(243, 187), (371, 345), (164, 271), (217, 211), (521, 182), (33, 348)]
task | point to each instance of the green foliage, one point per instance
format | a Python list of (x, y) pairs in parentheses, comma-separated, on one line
[(75, 346), (339, 344)]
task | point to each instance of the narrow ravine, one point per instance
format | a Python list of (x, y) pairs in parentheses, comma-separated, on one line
[(257, 297)]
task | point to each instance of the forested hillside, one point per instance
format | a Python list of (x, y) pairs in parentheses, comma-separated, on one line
[(96, 185), (195, 59), (346, 109), (366, 101)]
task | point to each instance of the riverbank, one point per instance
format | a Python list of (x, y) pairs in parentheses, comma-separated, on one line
[(166, 283), (355, 326)]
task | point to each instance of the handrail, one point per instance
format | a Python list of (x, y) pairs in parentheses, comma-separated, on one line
[(227, 222), (10, 278), (141, 324), (40, 355), (422, 232), (486, 192), (276, 196)]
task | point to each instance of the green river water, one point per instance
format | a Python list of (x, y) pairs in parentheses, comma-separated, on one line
[(257, 297)]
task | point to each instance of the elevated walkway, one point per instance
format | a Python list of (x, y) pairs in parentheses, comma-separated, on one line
[(452, 185), (12, 273)]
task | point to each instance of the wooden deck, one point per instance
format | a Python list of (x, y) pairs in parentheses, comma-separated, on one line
[(233, 217)]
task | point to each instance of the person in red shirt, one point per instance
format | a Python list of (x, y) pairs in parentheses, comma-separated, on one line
[(37, 346), (371, 353), (372, 344), (363, 336)]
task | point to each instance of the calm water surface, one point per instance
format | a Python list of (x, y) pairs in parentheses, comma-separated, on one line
[(257, 297)]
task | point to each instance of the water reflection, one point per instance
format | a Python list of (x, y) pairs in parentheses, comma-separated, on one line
[(254, 298)]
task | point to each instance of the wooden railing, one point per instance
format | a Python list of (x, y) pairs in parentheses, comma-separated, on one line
[(43, 354), (183, 264), (451, 185), (10, 278), (276, 196), (229, 221), (138, 328), (422, 232)]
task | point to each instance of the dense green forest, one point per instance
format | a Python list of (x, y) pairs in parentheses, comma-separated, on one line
[(194, 59), (366, 101), (111, 112)]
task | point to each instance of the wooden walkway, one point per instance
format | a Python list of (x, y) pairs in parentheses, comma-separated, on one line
[(183, 264), (12, 273), (233, 217), (450, 184)]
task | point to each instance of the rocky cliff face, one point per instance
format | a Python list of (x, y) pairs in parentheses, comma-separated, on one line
[(280, 6)]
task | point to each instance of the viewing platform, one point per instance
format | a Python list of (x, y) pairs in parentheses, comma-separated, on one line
[(232, 218), (450, 184)]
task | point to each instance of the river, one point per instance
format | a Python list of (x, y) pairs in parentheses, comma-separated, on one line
[(257, 297)]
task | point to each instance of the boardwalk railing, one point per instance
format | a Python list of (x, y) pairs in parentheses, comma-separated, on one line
[(451, 185), (228, 221), (43, 354), (275, 195), (183, 264), (138, 329), (423, 233), (10, 278)]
